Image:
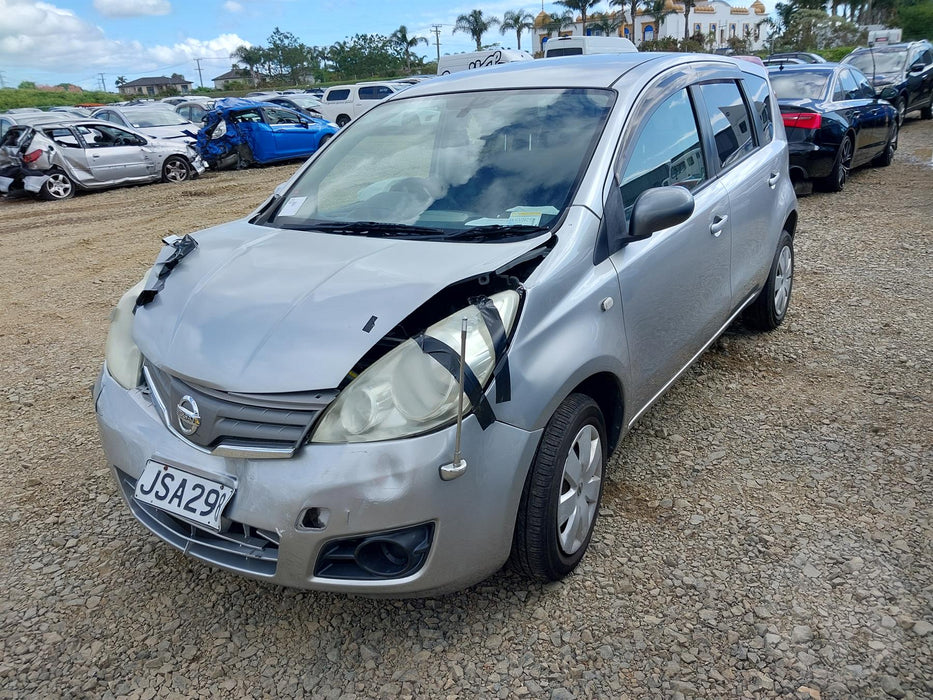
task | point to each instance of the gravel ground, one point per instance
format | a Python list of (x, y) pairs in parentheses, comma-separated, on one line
[(766, 529)]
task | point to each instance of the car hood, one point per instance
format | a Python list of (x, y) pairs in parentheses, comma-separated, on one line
[(171, 133), (262, 310)]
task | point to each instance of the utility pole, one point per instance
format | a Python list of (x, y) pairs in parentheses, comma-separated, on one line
[(103, 85), (436, 28), (200, 77)]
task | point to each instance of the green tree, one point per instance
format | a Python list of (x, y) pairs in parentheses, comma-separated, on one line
[(688, 5), (27, 85), (621, 11), (517, 21), (580, 6), (120, 81), (250, 56), (475, 24), (365, 56), (406, 44), (813, 30), (916, 20), (606, 24)]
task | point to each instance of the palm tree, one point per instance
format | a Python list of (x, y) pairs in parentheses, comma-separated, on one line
[(606, 24), (518, 22), (659, 10), (120, 82), (688, 5), (621, 13), (475, 24), (580, 6), (400, 37)]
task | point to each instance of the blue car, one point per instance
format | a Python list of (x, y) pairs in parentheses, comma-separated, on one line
[(238, 133)]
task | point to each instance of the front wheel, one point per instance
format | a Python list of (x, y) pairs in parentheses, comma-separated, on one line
[(58, 186), (561, 497), (767, 312), (175, 169), (900, 104)]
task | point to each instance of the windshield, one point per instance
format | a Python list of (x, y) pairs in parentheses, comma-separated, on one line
[(478, 166), (305, 100), (874, 62), (154, 117), (796, 85)]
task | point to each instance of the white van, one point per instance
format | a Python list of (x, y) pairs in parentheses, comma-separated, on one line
[(576, 45), (342, 103), (479, 59)]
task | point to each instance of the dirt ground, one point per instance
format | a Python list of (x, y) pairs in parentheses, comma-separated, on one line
[(805, 430)]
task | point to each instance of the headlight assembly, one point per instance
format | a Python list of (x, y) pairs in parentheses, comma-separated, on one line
[(124, 361), (407, 392)]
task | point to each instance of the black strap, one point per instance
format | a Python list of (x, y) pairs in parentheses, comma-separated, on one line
[(496, 329), (450, 360), (166, 262)]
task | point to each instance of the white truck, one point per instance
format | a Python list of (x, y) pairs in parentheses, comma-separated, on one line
[(343, 103), (479, 59), (576, 45)]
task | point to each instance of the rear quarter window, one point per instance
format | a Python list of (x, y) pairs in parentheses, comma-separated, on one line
[(758, 92), (337, 95)]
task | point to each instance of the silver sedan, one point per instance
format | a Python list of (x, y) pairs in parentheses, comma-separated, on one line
[(54, 159)]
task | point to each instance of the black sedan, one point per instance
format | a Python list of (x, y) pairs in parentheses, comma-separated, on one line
[(834, 122)]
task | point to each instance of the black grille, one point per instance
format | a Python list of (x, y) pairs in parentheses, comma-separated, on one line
[(237, 546), (277, 422)]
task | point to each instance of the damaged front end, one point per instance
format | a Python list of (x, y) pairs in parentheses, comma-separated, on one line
[(224, 141)]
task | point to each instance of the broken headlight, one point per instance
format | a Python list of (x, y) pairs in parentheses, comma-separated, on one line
[(124, 361), (407, 392)]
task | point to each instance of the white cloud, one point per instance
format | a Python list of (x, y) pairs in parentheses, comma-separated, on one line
[(37, 37), (132, 8), (232, 6)]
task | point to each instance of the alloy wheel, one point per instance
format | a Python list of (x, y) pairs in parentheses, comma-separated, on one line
[(783, 279)]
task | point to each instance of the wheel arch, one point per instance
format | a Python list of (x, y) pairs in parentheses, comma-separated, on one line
[(606, 390), (790, 223)]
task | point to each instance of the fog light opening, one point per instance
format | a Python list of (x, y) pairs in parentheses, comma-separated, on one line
[(314, 519)]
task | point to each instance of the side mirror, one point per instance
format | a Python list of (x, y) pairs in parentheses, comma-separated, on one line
[(659, 208), (916, 68)]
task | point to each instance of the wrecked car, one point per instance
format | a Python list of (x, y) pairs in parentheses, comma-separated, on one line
[(55, 159), (238, 133), (410, 364)]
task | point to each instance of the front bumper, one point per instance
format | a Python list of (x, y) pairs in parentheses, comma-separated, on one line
[(364, 488)]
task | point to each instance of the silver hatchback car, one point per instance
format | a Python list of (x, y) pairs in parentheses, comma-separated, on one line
[(410, 364)]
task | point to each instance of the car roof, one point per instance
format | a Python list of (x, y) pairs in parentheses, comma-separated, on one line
[(30, 118), (587, 71)]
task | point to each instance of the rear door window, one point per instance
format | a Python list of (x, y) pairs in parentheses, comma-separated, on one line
[(338, 95), (730, 121), (64, 137)]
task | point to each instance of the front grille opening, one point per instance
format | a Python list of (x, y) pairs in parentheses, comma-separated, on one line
[(379, 556), (238, 546)]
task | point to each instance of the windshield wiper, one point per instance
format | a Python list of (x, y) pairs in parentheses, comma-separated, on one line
[(497, 231), (369, 228)]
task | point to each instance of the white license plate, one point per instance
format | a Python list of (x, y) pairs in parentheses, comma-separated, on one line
[(185, 495)]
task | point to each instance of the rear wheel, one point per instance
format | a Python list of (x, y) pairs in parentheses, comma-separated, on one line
[(886, 157), (561, 497), (342, 120), (58, 186), (175, 169), (840, 172), (767, 312)]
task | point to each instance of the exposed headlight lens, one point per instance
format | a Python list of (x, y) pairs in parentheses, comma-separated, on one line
[(124, 361), (407, 392), (219, 130)]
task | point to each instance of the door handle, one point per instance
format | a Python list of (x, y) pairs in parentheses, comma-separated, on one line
[(772, 180), (716, 227)]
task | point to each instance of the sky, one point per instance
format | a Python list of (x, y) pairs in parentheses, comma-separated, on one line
[(78, 41)]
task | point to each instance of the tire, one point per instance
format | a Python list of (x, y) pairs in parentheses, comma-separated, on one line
[(175, 169), (927, 112), (886, 157), (550, 539), (324, 139), (58, 186), (900, 104), (342, 120), (837, 177), (767, 312)]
